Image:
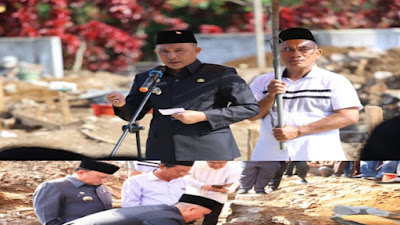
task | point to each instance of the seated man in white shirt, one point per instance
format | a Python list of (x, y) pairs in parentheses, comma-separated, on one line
[(164, 185), (214, 180)]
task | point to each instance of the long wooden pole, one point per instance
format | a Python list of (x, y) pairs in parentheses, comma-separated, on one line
[(276, 61), (258, 15), (374, 116), (1, 95), (65, 109)]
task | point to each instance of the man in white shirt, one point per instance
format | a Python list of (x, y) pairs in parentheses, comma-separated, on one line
[(164, 185), (214, 180), (316, 104)]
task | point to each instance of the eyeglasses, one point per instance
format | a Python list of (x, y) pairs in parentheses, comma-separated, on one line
[(304, 50)]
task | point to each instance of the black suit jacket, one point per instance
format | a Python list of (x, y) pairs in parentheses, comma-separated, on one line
[(67, 198), (216, 90), (137, 215), (383, 143)]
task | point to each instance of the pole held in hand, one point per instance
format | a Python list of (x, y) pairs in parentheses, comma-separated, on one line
[(276, 62)]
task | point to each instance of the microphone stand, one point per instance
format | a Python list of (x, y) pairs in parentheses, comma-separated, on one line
[(133, 126)]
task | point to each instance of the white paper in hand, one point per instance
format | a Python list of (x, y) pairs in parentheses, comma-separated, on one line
[(167, 112)]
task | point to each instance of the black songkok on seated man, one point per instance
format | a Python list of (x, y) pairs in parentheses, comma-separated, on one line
[(296, 33), (175, 36), (199, 200), (98, 166)]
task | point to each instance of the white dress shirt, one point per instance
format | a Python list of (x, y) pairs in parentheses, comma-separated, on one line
[(201, 174), (147, 189)]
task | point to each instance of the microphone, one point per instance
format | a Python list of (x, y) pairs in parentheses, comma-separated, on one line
[(154, 74)]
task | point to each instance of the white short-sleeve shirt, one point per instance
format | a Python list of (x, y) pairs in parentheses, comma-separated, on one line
[(201, 174), (308, 99), (147, 189)]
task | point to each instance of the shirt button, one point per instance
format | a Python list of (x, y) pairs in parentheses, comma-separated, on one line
[(177, 80)]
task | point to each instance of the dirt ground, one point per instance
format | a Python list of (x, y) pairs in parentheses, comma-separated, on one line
[(313, 203), (307, 204)]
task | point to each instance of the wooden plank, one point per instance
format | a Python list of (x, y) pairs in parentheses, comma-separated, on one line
[(29, 120), (65, 107), (374, 117), (97, 137), (252, 139)]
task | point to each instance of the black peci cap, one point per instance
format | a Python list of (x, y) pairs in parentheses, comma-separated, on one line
[(175, 36), (98, 166), (296, 33), (201, 201), (180, 163)]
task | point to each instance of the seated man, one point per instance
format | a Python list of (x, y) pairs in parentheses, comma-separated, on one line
[(188, 209), (215, 180), (164, 185), (82, 193)]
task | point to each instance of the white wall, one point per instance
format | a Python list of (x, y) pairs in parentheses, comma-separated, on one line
[(44, 50), (220, 48)]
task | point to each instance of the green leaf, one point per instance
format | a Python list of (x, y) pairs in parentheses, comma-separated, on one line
[(43, 10)]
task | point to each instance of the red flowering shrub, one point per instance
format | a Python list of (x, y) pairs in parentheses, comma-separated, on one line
[(108, 47), (205, 16), (102, 24), (210, 29), (117, 31), (386, 13), (286, 18), (329, 14)]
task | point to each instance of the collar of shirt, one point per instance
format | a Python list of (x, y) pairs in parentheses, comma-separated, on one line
[(194, 67), (314, 72), (77, 183), (152, 177)]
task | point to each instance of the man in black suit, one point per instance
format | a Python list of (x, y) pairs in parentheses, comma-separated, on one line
[(212, 97)]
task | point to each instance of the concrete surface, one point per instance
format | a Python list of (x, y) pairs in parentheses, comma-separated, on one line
[(46, 51)]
